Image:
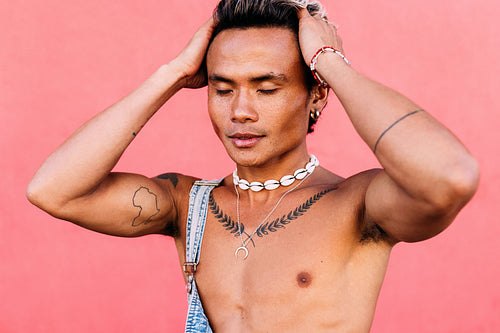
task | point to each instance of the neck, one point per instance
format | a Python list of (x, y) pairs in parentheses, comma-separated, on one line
[(274, 168)]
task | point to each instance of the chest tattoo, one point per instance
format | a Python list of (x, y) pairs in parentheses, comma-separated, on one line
[(231, 224)]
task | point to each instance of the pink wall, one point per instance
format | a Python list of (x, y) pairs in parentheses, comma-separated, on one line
[(63, 61)]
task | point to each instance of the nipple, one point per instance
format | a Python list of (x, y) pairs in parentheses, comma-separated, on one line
[(304, 279)]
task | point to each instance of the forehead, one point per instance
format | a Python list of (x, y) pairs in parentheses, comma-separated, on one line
[(236, 52)]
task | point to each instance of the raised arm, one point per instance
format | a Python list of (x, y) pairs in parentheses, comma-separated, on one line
[(75, 183), (428, 174)]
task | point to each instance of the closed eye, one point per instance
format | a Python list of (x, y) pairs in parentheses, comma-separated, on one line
[(223, 92), (267, 91)]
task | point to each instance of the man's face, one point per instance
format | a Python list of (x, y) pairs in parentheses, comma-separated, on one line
[(257, 97)]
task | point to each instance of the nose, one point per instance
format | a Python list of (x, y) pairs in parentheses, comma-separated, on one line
[(242, 109)]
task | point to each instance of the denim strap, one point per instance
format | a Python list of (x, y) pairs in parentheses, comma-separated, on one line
[(197, 215), (198, 204)]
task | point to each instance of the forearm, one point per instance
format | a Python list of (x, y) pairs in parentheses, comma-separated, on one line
[(82, 162), (416, 151)]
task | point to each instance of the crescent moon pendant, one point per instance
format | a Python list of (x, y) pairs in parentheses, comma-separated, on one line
[(243, 248)]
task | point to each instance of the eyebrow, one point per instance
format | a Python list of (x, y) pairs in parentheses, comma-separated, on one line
[(265, 77)]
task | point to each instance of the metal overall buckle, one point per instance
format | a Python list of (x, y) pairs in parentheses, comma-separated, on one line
[(189, 267)]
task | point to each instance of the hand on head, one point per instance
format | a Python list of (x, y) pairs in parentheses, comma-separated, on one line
[(190, 62), (314, 33)]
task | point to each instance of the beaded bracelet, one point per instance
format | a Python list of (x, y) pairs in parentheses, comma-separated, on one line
[(314, 60)]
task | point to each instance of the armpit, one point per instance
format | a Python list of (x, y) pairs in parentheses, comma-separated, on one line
[(372, 233)]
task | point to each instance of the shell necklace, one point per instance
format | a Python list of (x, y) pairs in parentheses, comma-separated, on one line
[(272, 184)]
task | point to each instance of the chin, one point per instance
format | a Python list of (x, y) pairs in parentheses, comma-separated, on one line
[(246, 157)]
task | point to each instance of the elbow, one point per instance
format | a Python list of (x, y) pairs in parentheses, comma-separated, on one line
[(464, 180), (458, 186), (41, 197), (454, 190), (35, 195)]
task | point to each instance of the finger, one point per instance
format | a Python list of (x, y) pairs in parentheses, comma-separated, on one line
[(204, 33), (209, 23), (320, 18), (303, 13), (208, 26), (331, 24)]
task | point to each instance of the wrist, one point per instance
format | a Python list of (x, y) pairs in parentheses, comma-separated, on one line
[(325, 55), (172, 75)]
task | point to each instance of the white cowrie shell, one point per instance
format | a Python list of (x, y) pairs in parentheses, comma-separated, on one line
[(287, 180), (300, 174), (256, 186), (243, 184), (271, 184)]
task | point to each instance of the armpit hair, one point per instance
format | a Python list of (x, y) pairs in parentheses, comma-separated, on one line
[(372, 233), (172, 230)]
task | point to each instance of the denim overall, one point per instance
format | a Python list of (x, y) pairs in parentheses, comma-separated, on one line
[(198, 203)]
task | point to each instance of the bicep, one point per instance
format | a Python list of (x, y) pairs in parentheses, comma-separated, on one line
[(123, 205), (401, 216)]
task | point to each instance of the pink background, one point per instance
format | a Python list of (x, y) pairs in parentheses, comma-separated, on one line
[(63, 61)]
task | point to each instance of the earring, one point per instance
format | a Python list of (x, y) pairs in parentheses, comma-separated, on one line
[(315, 114)]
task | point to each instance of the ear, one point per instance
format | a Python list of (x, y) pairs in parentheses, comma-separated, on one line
[(319, 97)]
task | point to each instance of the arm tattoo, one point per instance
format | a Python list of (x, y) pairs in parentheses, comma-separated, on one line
[(280, 223), (390, 127), (170, 176), (144, 199), (140, 128)]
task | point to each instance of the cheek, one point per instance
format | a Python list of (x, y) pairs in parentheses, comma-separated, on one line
[(297, 112), (214, 117), (217, 115)]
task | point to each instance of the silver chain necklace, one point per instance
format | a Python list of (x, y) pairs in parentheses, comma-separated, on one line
[(244, 243)]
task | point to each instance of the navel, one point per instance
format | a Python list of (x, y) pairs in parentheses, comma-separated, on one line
[(304, 279)]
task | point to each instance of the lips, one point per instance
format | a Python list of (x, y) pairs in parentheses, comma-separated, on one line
[(245, 140)]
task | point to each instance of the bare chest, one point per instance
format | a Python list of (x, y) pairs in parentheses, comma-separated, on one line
[(305, 267), (298, 256), (290, 250)]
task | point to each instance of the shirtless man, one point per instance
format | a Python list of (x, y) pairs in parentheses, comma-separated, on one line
[(306, 257)]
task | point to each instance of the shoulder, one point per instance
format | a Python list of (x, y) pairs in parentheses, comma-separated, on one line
[(175, 183), (364, 177), (177, 186), (352, 188), (348, 193), (357, 184), (353, 192)]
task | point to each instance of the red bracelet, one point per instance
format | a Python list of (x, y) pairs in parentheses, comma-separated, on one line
[(314, 60)]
